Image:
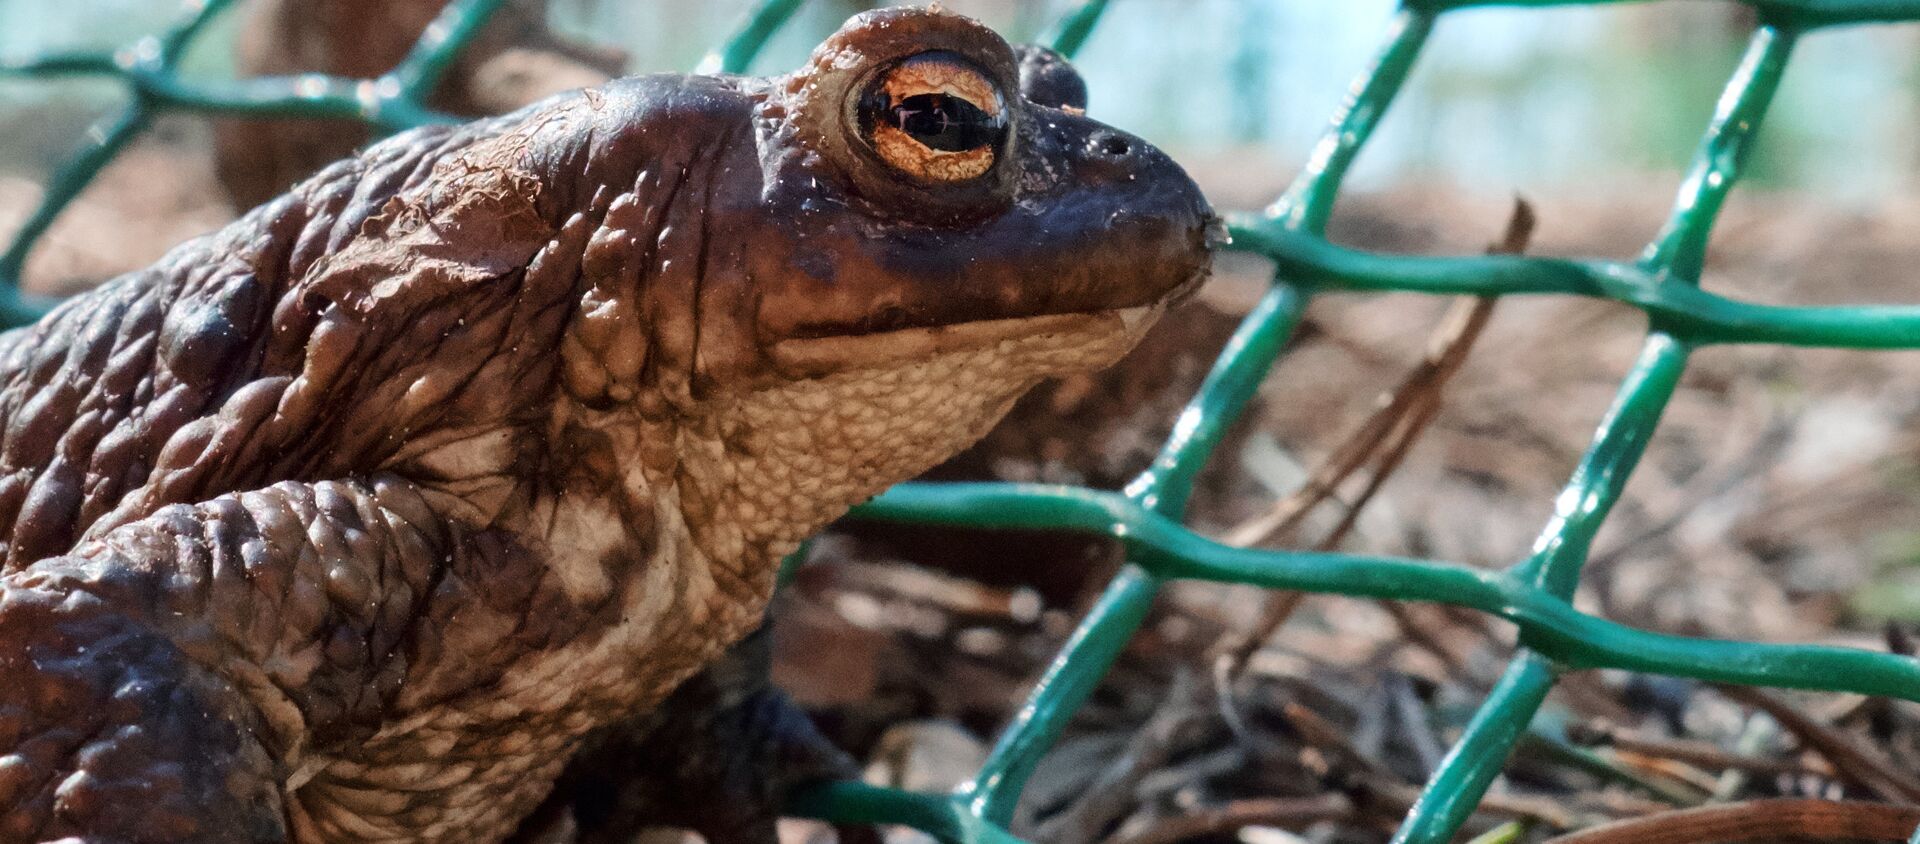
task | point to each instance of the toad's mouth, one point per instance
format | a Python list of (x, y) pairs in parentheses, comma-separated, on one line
[(818, 356), (804, 357)]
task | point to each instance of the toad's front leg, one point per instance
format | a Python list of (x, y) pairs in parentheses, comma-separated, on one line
[(162, 682), (722, 756), (110, 731)]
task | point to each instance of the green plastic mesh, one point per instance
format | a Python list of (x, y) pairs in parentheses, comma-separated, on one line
[(1533, 594)]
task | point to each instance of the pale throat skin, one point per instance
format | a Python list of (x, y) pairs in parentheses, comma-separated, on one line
[(349, 522)]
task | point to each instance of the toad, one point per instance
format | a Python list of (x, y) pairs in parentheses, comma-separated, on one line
[(423, 487)]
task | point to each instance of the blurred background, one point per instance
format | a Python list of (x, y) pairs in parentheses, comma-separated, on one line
[(1504, 98), (1777, 502)]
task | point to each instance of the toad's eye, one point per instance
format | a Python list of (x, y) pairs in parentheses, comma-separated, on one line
[(935, 116)]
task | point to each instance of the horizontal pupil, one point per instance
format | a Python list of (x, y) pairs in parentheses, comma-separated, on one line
[(946, 123)]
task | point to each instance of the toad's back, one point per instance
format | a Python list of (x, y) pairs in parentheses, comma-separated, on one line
[(182, 381)]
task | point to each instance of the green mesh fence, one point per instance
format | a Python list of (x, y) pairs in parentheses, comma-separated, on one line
[(1533, 594)]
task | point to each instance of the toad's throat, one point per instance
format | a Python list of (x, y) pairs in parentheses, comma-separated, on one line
[(867, 427)]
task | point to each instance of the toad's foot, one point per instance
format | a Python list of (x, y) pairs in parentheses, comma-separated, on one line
[(721, 757)]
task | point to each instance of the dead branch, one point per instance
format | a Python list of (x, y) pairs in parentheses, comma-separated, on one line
[(1853, 762), (1699, 754), (1287, 812), (1759, 820)]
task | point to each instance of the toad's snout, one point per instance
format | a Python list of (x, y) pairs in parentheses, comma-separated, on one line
[(1146, 233)]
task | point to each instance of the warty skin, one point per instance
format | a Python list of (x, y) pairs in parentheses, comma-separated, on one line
[(362, 518)]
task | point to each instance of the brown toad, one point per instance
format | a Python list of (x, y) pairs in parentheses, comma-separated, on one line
[(361, 519)]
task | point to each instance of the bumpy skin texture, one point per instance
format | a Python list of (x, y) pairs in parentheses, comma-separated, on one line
[(365, 517)]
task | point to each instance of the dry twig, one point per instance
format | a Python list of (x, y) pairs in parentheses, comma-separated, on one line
[(1290, 812), (1699, 754), (1759, 820), (1397, 795), (1853, 762)]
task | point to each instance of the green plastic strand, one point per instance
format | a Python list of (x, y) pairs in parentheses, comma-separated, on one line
[(1072, 676), (1688, 312), (741, 48), (1223, 396), (944, 817), (1455, 789), (427, 63), (1601, 477), (1681, 248), (61, 63), (1546, 621), (1308, 204), (149, 68), (104, 141), (1801, 14), (194, 19), (1073, 29)]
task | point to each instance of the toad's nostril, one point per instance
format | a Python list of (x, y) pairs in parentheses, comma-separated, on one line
[(1111, 145)]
